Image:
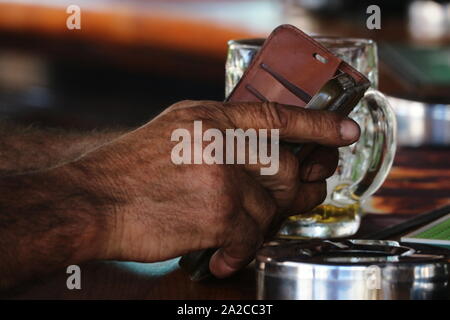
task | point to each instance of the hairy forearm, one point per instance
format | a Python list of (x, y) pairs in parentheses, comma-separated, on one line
[(58, 199), (24, 149), (52, 219)]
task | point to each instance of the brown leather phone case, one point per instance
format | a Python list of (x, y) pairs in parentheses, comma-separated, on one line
[(291, 68)]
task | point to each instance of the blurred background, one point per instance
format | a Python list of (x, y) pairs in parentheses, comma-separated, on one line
[(133, 58)]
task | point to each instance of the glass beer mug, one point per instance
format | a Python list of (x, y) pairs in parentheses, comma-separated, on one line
[(363, 166)]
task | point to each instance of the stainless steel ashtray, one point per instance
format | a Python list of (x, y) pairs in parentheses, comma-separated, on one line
[(349, 270)]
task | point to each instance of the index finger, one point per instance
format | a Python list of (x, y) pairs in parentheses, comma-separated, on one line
[(295, 124)]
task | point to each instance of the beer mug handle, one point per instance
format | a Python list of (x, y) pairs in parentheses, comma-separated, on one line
[(373, 155)]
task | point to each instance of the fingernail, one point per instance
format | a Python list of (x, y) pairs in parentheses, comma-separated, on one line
[(349, 130)]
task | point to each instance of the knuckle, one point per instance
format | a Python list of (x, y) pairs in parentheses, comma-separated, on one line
[(331, 123), (333, 118), (181, 104), (195, 109), (178, 114), (325, 123), (210, 112), (273, 115)]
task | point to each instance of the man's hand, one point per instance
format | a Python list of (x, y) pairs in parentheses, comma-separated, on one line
[(167, 210), (128, 201)]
